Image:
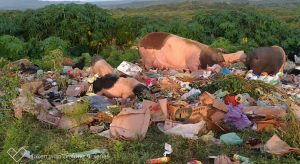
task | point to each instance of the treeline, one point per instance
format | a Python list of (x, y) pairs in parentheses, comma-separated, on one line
[(75, 29)]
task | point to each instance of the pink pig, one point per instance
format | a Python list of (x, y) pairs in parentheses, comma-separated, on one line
[(165, 50)]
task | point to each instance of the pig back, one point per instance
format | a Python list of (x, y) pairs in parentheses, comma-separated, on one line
[(266, 59)]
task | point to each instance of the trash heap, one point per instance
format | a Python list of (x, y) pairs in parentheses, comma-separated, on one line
[(179, 103)]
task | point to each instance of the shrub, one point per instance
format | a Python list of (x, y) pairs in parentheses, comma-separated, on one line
[(52, 61), (225, 44), (12, 48), (115, 56)]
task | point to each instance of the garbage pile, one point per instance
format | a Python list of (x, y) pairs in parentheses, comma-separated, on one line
[(122, 102)]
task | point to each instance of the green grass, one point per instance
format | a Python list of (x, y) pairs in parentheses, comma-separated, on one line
[(34, 136)]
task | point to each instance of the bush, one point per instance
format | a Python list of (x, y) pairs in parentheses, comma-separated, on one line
[(12, 48), (225, 44), (115, 56), (52, 61), (3, 62)]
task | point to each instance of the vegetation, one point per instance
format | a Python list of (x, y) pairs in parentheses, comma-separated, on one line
[(48, 34), (238, 85), (77, 29)]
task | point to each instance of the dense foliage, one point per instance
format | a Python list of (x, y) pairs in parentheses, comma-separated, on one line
[(75, 29)]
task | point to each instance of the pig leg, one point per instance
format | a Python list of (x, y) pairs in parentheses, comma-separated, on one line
[(192, 64)]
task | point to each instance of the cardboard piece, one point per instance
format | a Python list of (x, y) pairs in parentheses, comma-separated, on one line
[(220, 105), (266, 125), (217, 116), (187, 114), (265, 111), (207, 98)]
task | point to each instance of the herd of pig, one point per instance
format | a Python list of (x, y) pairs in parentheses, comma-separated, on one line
[(167, 51)]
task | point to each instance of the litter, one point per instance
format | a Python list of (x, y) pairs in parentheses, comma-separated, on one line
[(130, 124), (129, 69), (277, 147), (185, 130), (98, 103), (192, 94), (231, 139), (222, 159), (236, 117), (194, 162), (162, 160), (168, 150)]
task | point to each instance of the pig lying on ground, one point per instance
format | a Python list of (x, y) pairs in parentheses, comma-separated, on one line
[(113, 86), (266, 59), (165, 50), (100, 66)]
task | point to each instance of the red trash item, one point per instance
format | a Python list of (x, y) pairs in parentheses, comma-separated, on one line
[(230, 100)]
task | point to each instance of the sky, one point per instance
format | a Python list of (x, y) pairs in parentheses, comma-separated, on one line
[(80, 0)]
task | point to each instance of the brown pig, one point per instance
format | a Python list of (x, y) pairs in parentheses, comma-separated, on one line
[(113, 86), (266, 59), (165, 50)]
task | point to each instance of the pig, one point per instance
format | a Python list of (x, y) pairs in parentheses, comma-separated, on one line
[(164, 50), (114, 86), (100, 66), (266, 59), (238, 56)]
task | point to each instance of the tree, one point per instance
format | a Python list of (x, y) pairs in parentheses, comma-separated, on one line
[(12, 48)]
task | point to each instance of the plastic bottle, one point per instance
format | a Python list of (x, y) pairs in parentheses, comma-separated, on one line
[(159, 160)]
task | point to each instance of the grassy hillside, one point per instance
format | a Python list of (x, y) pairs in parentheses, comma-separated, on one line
[(186, 10)]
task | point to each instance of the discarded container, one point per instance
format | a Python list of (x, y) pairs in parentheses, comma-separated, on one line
[(231, 139), (240, 158), (194, 162), (129, 69), (161, 160)]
